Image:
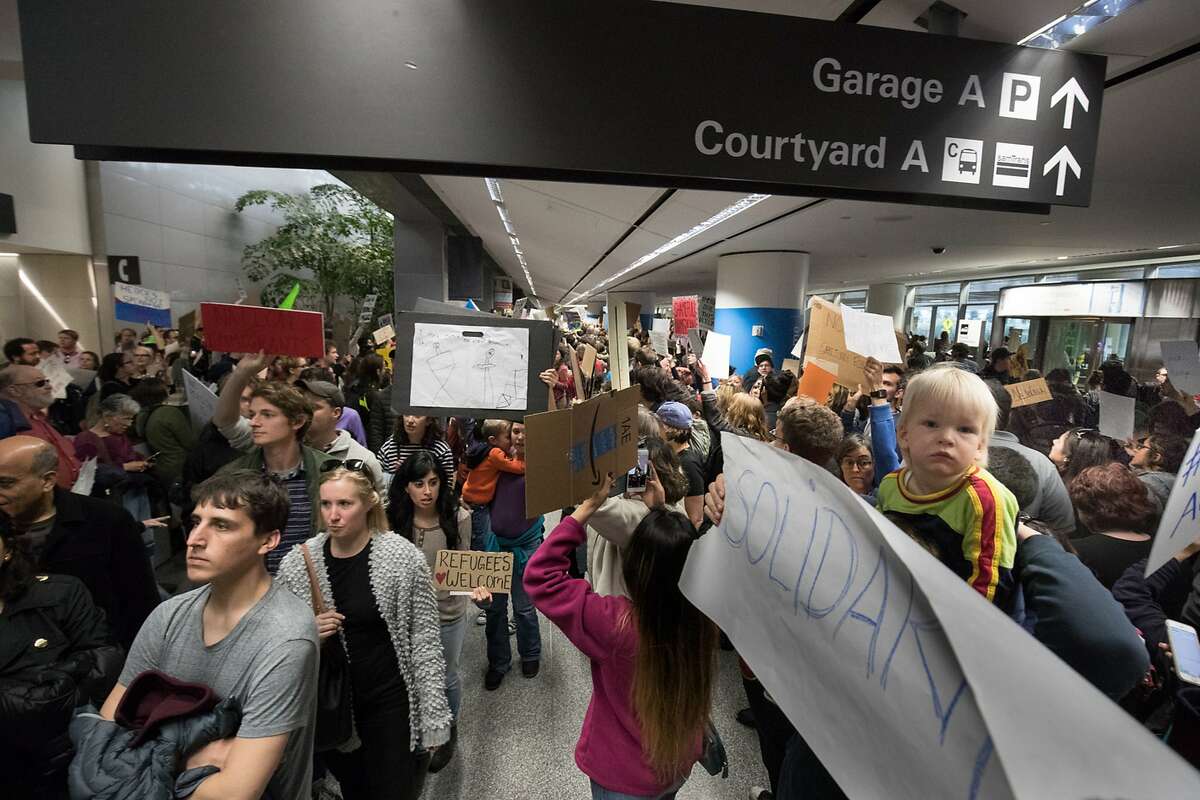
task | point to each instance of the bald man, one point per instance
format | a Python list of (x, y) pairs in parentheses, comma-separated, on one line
[(94, 540), (29, 388)]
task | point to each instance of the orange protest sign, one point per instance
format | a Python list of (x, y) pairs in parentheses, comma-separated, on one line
[(816, 383)]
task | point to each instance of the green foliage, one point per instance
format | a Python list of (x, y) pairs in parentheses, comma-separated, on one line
[(334, 242)]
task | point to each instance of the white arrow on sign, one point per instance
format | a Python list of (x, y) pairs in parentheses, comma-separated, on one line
[(1064, 161), (1073, 93)]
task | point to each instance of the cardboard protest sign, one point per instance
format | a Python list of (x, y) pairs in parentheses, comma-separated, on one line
[(384, 335), (139, 304), (619, 316), (686, 314), (912, 685), (1179, 525), (569, 452), (870, 335), (187, 329), (460, 571), (588, 365), (827, 343), (247, 329), (1028, 393), (470, 366), (202, 401), (1116, 415), (816, 383), (1183, 365), (791, 365), (696, 342), (706, 312), (384, 321)]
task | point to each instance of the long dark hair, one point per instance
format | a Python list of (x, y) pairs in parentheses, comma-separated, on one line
[(674, 668), (1086, 447), (400, 508), (433, 432), (111, 365), (667, 469)]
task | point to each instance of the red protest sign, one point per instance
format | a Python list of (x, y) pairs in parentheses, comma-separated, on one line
[(248, 329), (687, 314)]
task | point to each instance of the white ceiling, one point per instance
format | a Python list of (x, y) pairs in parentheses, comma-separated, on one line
[(1146, 192)]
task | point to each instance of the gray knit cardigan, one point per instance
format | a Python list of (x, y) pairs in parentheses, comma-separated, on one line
[(403, 591)]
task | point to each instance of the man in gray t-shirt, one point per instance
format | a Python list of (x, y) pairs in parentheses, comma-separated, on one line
[(242, 636)]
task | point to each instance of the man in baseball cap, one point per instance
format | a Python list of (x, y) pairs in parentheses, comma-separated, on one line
[(323, 434), (764, 365), (676, 421)]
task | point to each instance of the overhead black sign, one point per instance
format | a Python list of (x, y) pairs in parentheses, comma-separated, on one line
[(624, 91), (8, 215), (125, 269)]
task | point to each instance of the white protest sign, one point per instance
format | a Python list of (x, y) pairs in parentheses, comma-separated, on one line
[(870, 335), (659, 340), (385, 320), (202, 401), (56, 371), (696, 342), (903, 681), (716, 354), (384, 335), (1178, 526), (1183, 365), (87, 478), (969, 331), (660, 324), (1116, 415), (798, 347)]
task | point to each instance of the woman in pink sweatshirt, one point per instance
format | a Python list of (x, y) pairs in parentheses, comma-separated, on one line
[(652, 654)]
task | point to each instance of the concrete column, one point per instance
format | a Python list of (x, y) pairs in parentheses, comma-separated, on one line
[(765, 288), (888, 299), (420, 263)]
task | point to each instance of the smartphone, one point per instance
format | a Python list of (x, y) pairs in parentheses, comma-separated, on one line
[(1185, 649), (151, 457), (635, 479)]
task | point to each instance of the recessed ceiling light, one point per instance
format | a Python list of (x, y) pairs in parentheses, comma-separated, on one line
[(1073, 24), (1062, 258), (10, 255), (410, 65), (1045, 223), (493, 189), (1163, 247)]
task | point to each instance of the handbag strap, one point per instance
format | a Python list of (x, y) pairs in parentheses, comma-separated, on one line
[(318, 602)]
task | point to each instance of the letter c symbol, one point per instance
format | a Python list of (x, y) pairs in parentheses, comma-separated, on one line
[(716, 128)]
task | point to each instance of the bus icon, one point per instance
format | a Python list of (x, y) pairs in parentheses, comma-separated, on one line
[(968, 161)]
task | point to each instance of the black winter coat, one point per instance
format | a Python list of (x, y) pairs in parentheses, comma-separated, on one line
[(55, 654), (100, 544)]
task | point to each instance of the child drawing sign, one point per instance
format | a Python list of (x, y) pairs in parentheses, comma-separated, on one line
[(469, 367)]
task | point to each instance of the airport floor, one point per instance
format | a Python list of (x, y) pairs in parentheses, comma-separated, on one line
[(518, 742)]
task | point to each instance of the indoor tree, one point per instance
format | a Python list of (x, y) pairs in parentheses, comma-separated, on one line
[(333, 241)]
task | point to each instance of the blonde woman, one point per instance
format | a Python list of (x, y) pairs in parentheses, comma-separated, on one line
[(387, 617), (746, 413)]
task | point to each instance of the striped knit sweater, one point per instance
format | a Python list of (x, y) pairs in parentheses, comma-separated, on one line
[(403, 591), (973, 523)]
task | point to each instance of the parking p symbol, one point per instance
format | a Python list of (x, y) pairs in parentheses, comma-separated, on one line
[(1019, 95)]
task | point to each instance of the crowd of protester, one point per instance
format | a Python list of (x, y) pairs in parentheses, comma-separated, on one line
[(308, 653)]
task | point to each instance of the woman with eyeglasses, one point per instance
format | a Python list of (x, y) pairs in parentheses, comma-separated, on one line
[(1156, 460), (107, 443), (386, 617)]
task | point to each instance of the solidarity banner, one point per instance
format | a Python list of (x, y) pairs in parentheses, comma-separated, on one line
[(139, 304), (904, 681)]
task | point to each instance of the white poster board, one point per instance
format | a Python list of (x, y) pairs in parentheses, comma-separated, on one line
[(660, 341), (1183, 365), (1180, 522), (716, 354), (56, 372), (969, 332), (1116, 415), (469, 367), (202, 401), (660, 324), (871, 335), (904, 681)]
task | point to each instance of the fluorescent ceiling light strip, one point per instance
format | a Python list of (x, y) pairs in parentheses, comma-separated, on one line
[(749, 201), (493, 188), (1076, 23), (33, 290)]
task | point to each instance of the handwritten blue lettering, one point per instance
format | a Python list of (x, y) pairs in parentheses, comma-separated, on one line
[(774, 521), (835, 523), (1189, 512), (875, 622)]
